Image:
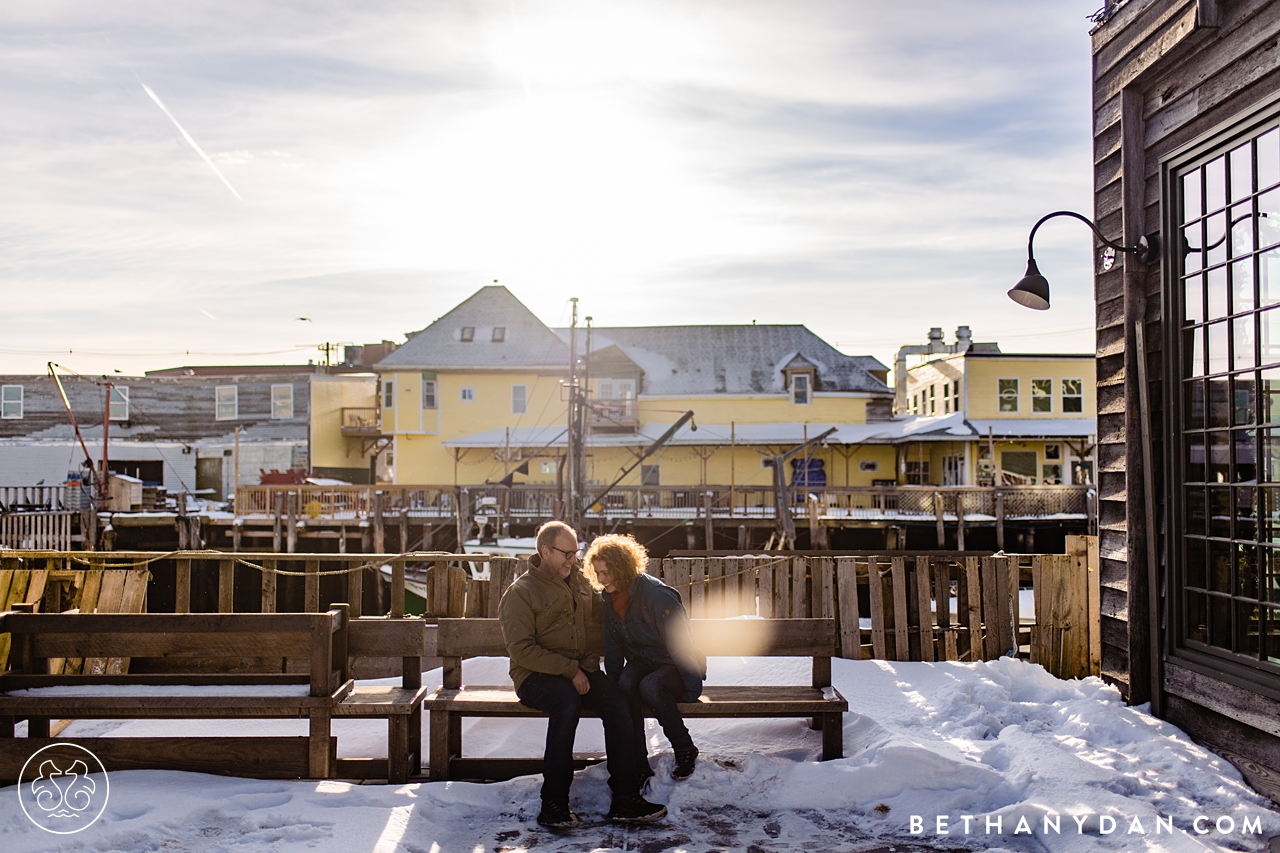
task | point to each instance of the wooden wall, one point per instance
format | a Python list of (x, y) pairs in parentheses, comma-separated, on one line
[(1165, 73)]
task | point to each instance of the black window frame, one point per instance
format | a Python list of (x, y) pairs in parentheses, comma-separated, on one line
[(1178, 644)]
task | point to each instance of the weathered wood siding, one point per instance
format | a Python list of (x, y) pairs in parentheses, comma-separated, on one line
[(1165, 72)]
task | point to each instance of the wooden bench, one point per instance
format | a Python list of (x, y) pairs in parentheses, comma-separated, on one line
[(324, 642), (458, 639)]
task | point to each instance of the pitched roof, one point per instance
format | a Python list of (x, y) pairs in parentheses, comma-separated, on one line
[(527, 342), (734, 359)]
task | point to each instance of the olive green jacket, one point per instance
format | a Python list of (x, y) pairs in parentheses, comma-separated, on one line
[(550, 625)]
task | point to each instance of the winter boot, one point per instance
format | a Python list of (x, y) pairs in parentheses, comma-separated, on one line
[(685, 759), (635, 809), (557, 816)]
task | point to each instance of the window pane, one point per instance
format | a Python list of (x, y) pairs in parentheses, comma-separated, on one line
[(1269, 211), (1220, 622), (1271, 456), (1247, 513), (1269, 401), (1193, 239), (1220, 403), (1197, 517), (1195, 457), (1241, 230), (1248, 629), (1219, 470), (1215, 190), (1042, 395), (1246, 470), (1220, 555), (1215, 235), (1218, 347), (1243, 357), (1271, 578), (1246, 566), (1242, 286), (1241, 163), (1269, 336), (1245, 404), (1192, 206), (1269, 159), (1216, 289), (1193, 403), (1220, 513), (1197, 617), (1271, 641), (1193, 351), (1193, 300), (282, 401)]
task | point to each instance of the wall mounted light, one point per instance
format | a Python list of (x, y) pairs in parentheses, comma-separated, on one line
[(1033, 290)]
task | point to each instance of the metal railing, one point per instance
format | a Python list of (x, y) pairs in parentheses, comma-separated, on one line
[(529, 502)]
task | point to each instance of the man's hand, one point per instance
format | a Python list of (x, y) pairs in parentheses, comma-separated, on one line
[(580, 683)]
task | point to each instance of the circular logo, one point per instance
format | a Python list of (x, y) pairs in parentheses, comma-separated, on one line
[(63, 788)]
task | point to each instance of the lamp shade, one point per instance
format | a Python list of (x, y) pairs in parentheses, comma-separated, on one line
[(1033, 290)]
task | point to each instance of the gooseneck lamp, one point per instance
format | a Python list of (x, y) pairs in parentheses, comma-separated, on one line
[(1033, 290)]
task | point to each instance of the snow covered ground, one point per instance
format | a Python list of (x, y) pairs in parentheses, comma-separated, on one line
[(1003, 743)]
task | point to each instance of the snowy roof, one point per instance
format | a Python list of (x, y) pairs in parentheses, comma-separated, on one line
[(1038, 427), (735, 359), (525, 340)]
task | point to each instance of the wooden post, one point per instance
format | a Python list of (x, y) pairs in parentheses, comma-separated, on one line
[(237, 528), (970, 606), (879, 637), (901, 623), (311, 591), (959, 521), (291, 537), (269, 580), (277, 540), (226, 586), (184, 530), (182, 586), (925, 612), (743, 538), (850, 626), (939, 509), (355, 589), (999, 521), (709, 530), (379, 524), (405, 545), (342, 538), (397, 589)]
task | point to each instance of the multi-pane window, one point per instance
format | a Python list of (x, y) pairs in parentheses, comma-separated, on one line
[(915, 404), (429, 391), (800, 389), (1051, 470), (1072, 396), (227, 403), (519, 399), (118, 410), (1008, 391), (281, 401), (946, 398), (933, 402), (1225, 281), (467, 394), (388, 394), (1041, 395), (917, 472), (11, 401)]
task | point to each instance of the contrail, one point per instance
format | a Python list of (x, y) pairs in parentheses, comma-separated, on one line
[(187, 136)]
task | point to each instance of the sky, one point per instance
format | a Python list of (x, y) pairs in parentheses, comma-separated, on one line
[(183, 183)]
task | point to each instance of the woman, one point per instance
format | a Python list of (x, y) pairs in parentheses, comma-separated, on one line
[(648, 647)]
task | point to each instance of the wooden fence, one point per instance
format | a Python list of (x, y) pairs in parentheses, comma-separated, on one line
[(36, 530), (917, 607)]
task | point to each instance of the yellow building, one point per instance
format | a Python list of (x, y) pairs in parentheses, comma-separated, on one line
[(1034, 414), (481, 391)]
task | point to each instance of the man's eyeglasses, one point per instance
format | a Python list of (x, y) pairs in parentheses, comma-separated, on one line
[(568, 554)]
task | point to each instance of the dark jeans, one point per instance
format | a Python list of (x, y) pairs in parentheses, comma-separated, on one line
[(658, 689), (555, 696)]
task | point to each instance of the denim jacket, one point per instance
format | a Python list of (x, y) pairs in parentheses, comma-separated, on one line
[(655, 633)]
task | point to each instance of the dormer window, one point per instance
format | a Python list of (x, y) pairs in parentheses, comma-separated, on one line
[(468, 334), (800, 389), (499, 334)]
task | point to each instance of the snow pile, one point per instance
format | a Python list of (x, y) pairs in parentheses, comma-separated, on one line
[(1003, 743)]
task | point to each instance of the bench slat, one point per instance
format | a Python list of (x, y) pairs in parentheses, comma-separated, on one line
[(717, 700), (379, 701), (387, 638), (158, 623), (180, 707), (22, 682), (716, 637), (179, 644), (257, 757)]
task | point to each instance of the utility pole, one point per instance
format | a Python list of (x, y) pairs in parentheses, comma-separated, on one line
[(571, 440)]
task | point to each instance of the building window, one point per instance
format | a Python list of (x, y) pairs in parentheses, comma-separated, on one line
[(1008, 389), (119, 408), (11, 402), (800, 389), (1223, 287), (388, 394), (955, 393), (1041, 396), (1018, 467), (547, 466), (499, 334), (429, 391), (946, 398), (918, 472), (228, 403), (519, 399), (867, 466), (1051, 475), (933, 403), (468, 334), (467, 394), (281, 401), (915, 404), (1053, 452), (650, 475), (1072, 395)]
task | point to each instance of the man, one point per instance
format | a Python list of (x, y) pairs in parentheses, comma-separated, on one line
[(545, 617)]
